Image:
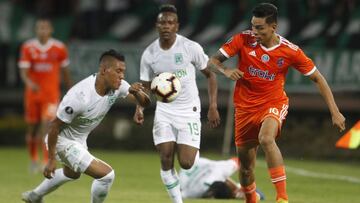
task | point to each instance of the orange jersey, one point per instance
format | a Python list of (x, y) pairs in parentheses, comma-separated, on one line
[(264, 69), (44, 63)]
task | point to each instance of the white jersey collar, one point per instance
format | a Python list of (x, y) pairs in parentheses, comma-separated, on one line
[(44, 47), (273, 47), (173, 45)]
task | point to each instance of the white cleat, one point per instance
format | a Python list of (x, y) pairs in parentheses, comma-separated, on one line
[(31, 197)]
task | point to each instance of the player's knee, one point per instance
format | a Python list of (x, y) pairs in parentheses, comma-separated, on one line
[(108, 178), (167, 162), (101, 187), (71, 174), (266, 140), (186, 163)]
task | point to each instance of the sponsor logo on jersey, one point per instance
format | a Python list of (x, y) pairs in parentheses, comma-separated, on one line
[(265, 58), (180, 73), (69, 110), (280, 62), (264, 74), (42, 67), (179, 58), (252, 53), (84, 121)]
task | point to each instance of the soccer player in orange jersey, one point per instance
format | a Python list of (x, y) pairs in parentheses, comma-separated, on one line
[(41, 61), (259, 98)]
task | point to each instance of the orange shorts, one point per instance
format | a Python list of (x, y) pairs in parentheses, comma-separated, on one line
[(247, 125), (40, 109)]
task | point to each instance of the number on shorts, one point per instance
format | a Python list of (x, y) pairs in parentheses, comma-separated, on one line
[(194, 128), (274, 111)]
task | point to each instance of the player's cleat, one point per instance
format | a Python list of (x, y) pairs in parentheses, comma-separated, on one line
[(31, 197), (260, 195), (282, 201)]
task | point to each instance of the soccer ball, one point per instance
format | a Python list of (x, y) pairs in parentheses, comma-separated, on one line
[(166, 87)]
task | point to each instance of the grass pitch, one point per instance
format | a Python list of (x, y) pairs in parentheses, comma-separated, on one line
[(137, 180)]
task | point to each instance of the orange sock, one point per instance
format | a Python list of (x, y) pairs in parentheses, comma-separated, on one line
[(32, 147), (45, 153), (250, 193), (278, 178)]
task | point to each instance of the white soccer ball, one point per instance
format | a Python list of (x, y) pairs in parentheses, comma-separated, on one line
[(166, 87)]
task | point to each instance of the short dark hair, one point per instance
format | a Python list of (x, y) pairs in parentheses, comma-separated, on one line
[(44, 18), (167, 8), (220, 190), (112, 53), (266, 10)]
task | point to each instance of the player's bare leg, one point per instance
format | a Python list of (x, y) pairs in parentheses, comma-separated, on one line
[(167, 153), (32, 142), (168, 174), (41, 140), (247, 158), (268, 132), (104, 177), (186, 155)]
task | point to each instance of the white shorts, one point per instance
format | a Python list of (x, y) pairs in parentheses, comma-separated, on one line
[(182, 130), (73, 154)]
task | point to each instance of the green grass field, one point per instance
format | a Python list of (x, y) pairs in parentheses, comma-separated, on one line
[(137, 180)]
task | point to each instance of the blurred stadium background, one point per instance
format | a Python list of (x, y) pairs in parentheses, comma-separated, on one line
[(328, 30)]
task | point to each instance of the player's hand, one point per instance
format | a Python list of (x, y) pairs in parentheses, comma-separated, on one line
[(213, 117), (50, 168), (233, 73), (136, 87), (139, 116), (33, 86), (338, 120)]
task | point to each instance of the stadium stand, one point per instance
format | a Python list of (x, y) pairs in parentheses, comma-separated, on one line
[(316, 25)]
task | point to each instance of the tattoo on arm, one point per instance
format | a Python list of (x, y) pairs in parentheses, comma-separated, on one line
[(219, 56), (217, 67), (214, 68)]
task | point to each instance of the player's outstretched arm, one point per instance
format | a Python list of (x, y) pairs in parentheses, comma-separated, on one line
[(139, 115), (215, 65), (54, 130), (337, 118), (213, 113), (138, 95)]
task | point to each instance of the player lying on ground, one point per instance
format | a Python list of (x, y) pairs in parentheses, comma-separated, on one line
[(212, 179)]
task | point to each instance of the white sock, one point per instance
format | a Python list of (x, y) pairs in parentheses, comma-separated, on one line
[(171, 181), (49, 185), (100, 187)]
